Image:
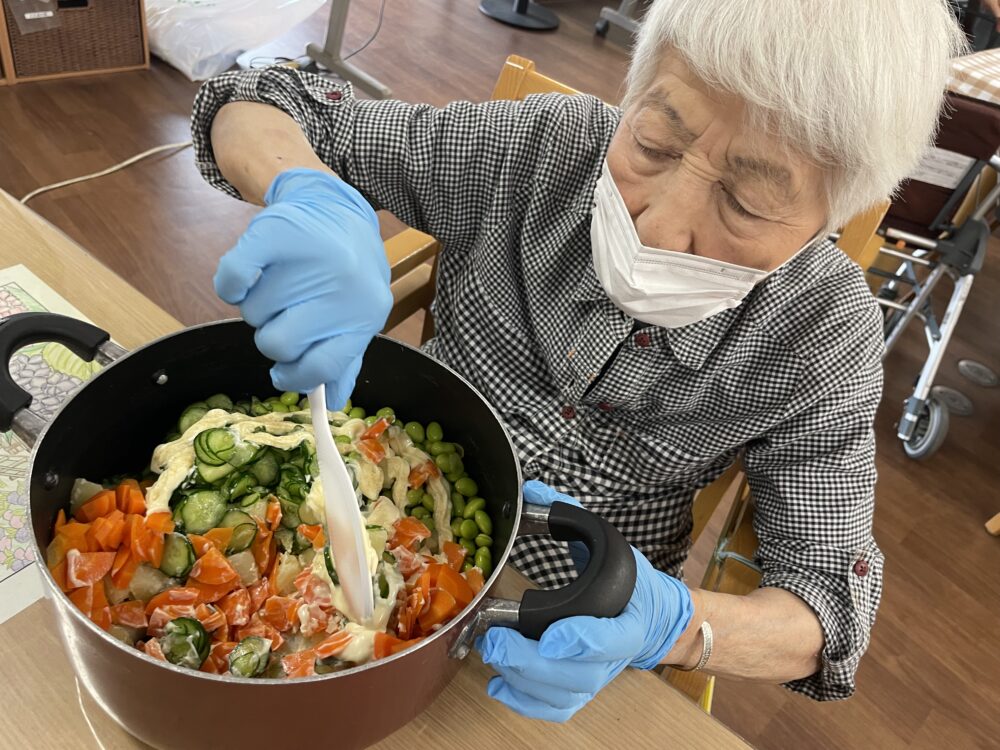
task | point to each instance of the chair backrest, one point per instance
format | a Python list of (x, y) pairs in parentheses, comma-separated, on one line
[(518, 79)]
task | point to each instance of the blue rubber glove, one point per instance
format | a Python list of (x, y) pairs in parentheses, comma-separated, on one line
[(555, 677), (310, 274)]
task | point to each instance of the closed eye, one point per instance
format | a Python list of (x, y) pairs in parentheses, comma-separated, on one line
[(654, 154), (737, 206)]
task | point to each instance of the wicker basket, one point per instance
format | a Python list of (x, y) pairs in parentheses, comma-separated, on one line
[(104, 35)]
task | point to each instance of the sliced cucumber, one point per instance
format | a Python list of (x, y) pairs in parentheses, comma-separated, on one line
[(265, 469), (250, 499), (215, 446), (185, 642), (300, 543), (258, 408), (244, 530), (250, 657), (294, 481), (245, 453), (219, 401), (239, 484), (178, 556), (289, 513), (202, 511), (329, 566), (189, 416), (212, 474)]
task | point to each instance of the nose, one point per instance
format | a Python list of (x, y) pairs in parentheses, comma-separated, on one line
[(672, 213)]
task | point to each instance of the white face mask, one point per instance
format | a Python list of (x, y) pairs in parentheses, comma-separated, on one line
[(660, 287)]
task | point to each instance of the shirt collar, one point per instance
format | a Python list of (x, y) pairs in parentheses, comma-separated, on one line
[(692, 344)]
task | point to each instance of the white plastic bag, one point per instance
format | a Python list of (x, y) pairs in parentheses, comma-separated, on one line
[(202, 38)]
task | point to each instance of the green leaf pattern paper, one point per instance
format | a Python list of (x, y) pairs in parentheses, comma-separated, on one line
[(49, 372)]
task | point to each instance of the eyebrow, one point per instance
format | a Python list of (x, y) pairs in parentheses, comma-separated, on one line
[(659, 102), (741, 166), (766, 170)]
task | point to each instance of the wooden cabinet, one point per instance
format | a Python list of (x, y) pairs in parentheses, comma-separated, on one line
[(81, 37)]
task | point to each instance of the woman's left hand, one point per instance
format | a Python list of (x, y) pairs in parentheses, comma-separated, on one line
[(555, 677)]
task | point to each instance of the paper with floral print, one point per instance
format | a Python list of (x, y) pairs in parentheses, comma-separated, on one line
[(49, 372)]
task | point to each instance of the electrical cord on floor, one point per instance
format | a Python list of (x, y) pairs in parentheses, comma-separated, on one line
[(378, 28), (103, 172)]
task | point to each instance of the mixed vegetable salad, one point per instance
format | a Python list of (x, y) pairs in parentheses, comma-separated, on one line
[(216, 559)]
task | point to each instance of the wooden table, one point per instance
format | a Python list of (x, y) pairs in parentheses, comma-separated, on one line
[(43, 706)]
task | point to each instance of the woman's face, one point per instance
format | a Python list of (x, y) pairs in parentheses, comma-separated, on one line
[(696, 180)]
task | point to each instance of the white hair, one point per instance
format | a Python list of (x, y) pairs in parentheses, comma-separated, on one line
[(854, 85)]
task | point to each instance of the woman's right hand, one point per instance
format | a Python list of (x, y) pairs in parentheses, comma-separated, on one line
[(310, 274)]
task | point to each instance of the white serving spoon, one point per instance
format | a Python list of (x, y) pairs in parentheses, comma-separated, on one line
[(344, 524)]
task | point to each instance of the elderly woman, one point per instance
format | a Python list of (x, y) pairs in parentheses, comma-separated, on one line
[(645, 294)]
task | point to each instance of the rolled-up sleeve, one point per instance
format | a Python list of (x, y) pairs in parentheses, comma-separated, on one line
[(437, 169), (813, 484)]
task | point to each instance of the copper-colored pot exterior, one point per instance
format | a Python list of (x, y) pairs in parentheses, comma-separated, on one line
[(169, 707)]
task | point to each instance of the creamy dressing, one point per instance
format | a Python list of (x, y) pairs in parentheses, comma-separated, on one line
[(175, 462), (441, 492)]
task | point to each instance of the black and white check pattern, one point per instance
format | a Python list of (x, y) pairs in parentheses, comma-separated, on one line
[(630, 420)]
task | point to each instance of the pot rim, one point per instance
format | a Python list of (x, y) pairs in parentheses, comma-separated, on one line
[(473, 606)]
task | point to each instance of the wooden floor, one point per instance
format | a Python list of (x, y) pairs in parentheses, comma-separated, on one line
[(932, 676)]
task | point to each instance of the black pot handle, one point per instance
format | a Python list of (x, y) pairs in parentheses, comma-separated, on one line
[(24, 329), (601, 590)]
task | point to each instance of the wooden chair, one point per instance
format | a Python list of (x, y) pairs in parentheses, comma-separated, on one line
[(413, 289)]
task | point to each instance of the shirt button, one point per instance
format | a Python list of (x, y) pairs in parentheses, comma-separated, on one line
[(642, 340), (568, 412), (605, 406), (334, 96), (861, 568)]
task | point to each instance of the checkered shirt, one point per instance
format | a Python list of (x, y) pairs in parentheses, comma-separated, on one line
[(628, 419)]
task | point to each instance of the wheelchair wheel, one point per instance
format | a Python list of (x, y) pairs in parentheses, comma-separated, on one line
[(930, 432)]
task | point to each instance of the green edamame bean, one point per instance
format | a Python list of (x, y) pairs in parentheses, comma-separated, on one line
[(467, 565), (347, 407), (476, 503), (434, 432), (483, 521), (454, 477), (272, 400), (457, 504), (387, 412), (436, 448), (289, 398), (456, 527), (278, 406), (345, 439), (470, 547), (483, 540), (419, 511), (371, 420), (416, 431), (429, 523), (304, 404), (428, 502), (467, 487), (456, 466), (443, 461), (484, 560), (356, 413), (469, 530), (413, 497)]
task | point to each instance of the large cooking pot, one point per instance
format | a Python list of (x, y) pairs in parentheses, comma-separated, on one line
[(112, 423)]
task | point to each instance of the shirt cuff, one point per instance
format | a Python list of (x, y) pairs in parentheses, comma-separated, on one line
[(305, 97), (845, 605)]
